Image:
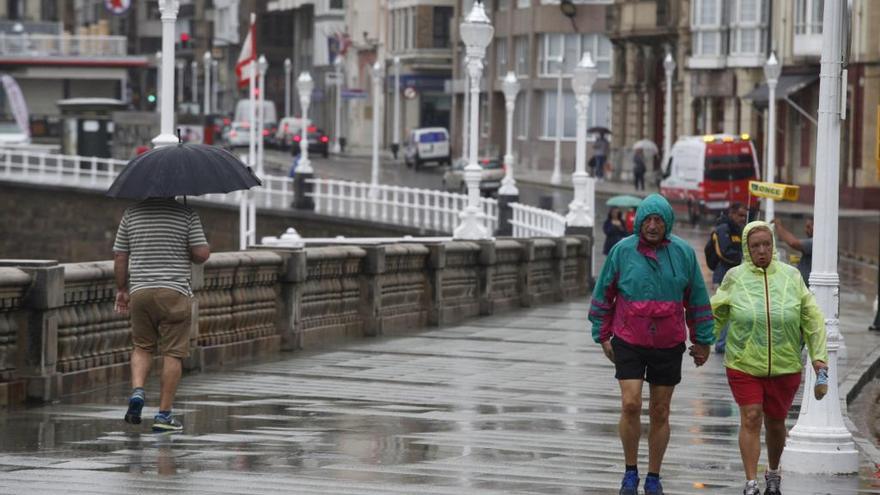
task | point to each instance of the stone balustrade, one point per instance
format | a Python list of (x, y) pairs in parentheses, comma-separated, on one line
[(60, 335)]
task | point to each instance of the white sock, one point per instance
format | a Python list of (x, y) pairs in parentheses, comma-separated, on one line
[(773, 471)]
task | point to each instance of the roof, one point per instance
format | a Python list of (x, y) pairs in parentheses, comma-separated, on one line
[(788, 84)]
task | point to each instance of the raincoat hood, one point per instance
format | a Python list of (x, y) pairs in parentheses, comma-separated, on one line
[(654, 204), (747, 256)]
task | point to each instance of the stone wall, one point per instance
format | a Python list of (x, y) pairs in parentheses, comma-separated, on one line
[(59, 334)]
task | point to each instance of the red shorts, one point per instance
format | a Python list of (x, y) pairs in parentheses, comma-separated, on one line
[(775, 393)]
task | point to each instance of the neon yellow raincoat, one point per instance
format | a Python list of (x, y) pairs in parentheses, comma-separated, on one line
[(771, 312)]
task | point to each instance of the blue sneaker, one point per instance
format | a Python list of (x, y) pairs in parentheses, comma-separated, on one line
[(135, 406), (166, 424), (630, 484), (653, 486)]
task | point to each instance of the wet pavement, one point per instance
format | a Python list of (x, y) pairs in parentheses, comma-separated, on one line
[(518, 403)]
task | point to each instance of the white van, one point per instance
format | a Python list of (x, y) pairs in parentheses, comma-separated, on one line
[(428, 144), (243, 112)]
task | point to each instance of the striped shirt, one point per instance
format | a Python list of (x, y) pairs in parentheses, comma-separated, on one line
[(158, 233)]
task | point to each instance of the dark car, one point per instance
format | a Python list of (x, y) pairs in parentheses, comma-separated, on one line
[(319, 142)]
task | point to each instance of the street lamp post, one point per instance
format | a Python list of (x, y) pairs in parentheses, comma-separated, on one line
[(580, 211), (508, 193), (304, 172), (207, 60), (820, 442), (262, 67), (669, 68), (288, 68), (395, 143), (556, 178), (465, 114), (168, 11), (476, 32), (337, 65), (159, 83), (215, 84), (377, 73), (772, 69), (194, 70), (181, 67)]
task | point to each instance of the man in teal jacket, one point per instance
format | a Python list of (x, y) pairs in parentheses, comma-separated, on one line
[(649, 294)]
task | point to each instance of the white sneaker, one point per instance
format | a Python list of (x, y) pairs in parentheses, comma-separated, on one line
[(751, 488)]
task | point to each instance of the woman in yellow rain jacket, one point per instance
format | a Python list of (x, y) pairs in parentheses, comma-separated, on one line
[(771, 314)]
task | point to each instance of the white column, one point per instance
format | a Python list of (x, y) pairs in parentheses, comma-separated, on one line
[(377, 73), (465, 117), (288, 67), (337, 126), (511, 88), (207, 107), (669, 68), (556, 178), (194, 68), (168, 10), (772, 70), (305, 85), (396, 120), (580, 210), (820, 442), (159, 84)]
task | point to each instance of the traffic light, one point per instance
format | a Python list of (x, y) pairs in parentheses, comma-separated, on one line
[(184, 40), (151, 97)]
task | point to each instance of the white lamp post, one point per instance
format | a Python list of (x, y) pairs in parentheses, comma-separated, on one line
[(194, 84), (772, 69), (476, 32), (215, 84), (168, 10), (556, 178), (377, 72), (181, 78), (465, 114), (207, 60), (580, 210), (395, 142), (337, 65), (820, 442), (159, 84), (510, 86), (669, 68), (262, 67), (304, 86), (288, 67)]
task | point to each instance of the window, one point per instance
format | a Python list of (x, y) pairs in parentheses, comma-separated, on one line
[(598, 113), (500, 57), (523, 4), (749, 27), (572, 47), (503, 4), (706, 25), (225, 23), (521, 52), (808, 16), (442, 21), (337, 4)]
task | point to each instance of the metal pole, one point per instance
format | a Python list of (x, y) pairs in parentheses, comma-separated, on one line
[(395, 143), (771, 147), (820, 442), (556, 178), (168, 10), (511, 88), (245, 221), (305, 98), (194, 84), (465, 116), (669, 67), (159, 84), (207, 109), (337, 146), (181, 78), (215, 80), (472, 226), (288, 67), (374, 169)]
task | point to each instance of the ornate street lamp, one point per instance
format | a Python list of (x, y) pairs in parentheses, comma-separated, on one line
[(508, 193), (476, 33), (669, 68), (581, 209), (288, 67), (304, 86), (772, 69)]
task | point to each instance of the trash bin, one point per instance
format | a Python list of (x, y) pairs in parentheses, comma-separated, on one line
[(88, 125)]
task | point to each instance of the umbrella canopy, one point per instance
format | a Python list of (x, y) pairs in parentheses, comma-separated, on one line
[(624, 201), (599, 130), (182, 170), (646, 145)]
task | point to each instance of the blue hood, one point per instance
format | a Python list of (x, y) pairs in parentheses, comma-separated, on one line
[(654, 204)]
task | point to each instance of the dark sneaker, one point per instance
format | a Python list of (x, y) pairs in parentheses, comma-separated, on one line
[(772, 482), (164, 424), (135, 406), (630, 484), (653, 486), (751, 488)]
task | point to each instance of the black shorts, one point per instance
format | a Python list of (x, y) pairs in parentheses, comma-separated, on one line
[(655, 366)]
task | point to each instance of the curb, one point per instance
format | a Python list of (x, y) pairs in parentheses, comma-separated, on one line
[(863, 372)]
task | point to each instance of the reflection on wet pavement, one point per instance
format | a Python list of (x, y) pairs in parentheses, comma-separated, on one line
[(517, 403)]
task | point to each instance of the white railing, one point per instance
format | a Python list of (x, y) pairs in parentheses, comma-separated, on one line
[(529, 221), (411, 207), (63, 45)]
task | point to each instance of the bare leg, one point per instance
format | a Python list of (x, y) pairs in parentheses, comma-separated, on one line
[(171, 371), (630, 426), (775, 433), (141, 361), (658, 435), (750, 438)]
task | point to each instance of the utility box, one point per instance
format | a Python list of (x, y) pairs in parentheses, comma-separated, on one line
[(88, 126)]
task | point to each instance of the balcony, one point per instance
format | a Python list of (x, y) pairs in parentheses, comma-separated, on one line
[(47, 45)]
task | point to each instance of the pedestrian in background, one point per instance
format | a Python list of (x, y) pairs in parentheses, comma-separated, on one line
[(771, 314), (649, 293), (639, 169), (726, 241), (614, 228), (601, 147), (156, 241), (805, 246)]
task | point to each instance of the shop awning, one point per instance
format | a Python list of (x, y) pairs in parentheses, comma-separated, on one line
[(788, 84)]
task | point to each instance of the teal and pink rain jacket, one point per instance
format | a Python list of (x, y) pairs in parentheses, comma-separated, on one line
[(648, 296)]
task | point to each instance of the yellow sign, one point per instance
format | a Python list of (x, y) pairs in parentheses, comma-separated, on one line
[(771, 190)]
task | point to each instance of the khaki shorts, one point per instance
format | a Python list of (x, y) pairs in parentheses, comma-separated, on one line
[(161, 317)]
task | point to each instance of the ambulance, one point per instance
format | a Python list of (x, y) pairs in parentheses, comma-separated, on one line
[(708, 173)]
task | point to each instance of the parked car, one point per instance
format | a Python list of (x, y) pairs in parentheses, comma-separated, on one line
[(288, 127), (428, 144), (10, 134), (709, 172), (319, 142), (270, 118), (490, 181), (238, 135)]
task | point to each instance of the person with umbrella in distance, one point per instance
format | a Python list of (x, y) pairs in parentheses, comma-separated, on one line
[(157, 240), (601, 149)]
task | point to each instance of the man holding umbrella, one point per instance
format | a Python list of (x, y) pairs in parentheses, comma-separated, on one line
[(157, 240)]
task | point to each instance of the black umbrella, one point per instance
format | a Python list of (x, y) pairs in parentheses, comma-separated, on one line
[(598, 130), (182, 170)]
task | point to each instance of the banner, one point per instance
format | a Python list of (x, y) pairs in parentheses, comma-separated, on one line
[(17, 105), (247, 59), (771, 190)]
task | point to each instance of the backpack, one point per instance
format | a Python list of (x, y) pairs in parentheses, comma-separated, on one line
[(710, 252)]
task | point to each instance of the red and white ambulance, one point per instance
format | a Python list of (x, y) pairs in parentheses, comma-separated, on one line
[(708, 173)]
